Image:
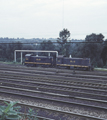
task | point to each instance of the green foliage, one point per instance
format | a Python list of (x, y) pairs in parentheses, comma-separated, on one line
[(62, 41), (89, 50), (94, 38), (9, 112), (47, 45), (64, 35), (104, 52), (96, 51), (32, 115), (7, 51)]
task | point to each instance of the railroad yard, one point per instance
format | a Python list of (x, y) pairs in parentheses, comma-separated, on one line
[(55, 94)]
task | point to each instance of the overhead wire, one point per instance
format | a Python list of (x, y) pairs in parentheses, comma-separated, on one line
[(51, 42), (63, 14)]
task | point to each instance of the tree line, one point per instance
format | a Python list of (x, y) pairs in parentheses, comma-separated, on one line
[(94, 47)]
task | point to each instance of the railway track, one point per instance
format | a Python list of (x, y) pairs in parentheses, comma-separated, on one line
[(64, 72), (52, 95), (5, 66), (93, 83), (57, 90), (65, 89), (53, 112), (24, 111)]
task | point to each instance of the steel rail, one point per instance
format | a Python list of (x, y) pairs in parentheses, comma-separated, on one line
[(50, 84), (68, 92), (67, 80), (73, 77), (19, 65), (65, 112), (45, 88), (79, 82), (48, 73), (52, 69), (49, 99), (58, 73), (26, 114), (67, 70), (41, 69), (91, 85)]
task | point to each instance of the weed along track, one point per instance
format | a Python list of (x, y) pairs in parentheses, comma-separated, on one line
[(55, 93)]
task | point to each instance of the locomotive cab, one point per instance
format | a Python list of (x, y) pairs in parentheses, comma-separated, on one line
[(27, 57)]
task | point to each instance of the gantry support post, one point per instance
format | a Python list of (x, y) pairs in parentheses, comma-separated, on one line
[(49, 54), (21, 57), (14, 56)]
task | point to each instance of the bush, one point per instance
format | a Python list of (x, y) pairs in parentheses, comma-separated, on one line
[(9, 112)]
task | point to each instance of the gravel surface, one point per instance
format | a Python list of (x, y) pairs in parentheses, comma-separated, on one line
[(40, 103)]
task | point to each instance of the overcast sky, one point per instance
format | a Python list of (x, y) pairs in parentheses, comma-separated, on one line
[(46, 18)]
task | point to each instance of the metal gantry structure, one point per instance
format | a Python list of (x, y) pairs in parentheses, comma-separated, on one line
[(34, 51)]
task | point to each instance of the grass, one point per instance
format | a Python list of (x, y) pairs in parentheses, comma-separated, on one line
[(10, 62), (100, 69)]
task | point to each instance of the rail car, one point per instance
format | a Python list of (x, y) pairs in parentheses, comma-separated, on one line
[(59, 61)]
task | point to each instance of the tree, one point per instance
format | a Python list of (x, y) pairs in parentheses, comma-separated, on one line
[(62, 41), (90, 50), (64, 35), (7, 50), (93, 50), (46, 45), (94, 38), (104, 52)]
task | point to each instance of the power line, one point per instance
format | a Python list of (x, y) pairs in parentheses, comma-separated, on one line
[(63, 14), (51, 42)]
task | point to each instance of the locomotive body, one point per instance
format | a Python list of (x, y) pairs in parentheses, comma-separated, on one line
[(79, 63), (38, 60), (60, 61)]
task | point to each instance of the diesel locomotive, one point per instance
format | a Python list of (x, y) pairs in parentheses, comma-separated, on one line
[(59, 61)]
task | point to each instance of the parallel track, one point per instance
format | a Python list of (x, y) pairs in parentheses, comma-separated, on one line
[(58, 88)]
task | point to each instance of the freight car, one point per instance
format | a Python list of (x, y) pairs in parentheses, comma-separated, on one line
[(60, 61)]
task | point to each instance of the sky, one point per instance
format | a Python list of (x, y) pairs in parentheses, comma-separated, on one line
[(46, 18)]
